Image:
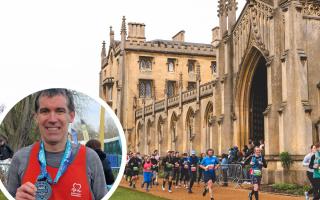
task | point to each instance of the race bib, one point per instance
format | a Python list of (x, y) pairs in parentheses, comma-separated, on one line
[(256, 172), (169, 165), (135, 168), (176, 165), (210, 167), (186, 166), (193, 169)]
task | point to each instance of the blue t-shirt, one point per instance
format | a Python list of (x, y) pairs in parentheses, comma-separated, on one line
[(212, 161), (256, 164)]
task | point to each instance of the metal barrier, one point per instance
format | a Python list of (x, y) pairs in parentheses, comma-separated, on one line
[(233, 173)]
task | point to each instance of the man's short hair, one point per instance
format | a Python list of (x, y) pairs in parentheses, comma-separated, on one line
[(55, 92), (210, 150), (94, 144)]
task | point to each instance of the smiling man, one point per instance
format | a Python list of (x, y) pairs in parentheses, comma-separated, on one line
[(53, 168)]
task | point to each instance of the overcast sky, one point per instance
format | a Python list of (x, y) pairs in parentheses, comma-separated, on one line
[(57, 43)]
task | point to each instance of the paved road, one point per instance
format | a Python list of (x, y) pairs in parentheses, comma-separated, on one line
[(219, 193)]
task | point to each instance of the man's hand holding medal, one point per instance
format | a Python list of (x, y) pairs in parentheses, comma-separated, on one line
[(26, 191)]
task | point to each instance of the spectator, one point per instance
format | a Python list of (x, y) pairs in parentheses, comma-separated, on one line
[(96, 145), (224, 167), (5, 150)]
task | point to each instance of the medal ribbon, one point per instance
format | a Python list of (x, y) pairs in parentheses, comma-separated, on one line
[(65, 162)]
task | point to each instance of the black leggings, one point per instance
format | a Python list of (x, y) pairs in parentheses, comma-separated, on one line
[(316, 188), (200, 174), (193, 176), (310, 177)]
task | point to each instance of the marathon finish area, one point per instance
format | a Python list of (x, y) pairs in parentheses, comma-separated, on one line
[(219, 192)]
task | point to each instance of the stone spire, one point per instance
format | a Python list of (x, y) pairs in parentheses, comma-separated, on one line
[(123, 26), (221, 7), (103, 50), (231, 8), (222, 14), (232, 4), (111, 34)]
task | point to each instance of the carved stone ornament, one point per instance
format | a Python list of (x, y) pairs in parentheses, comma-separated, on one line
[(311, 8)]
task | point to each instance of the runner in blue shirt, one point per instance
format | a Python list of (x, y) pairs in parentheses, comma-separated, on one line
[(209, 164), (257, 162)]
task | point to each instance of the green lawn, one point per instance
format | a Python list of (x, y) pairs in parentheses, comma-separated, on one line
[(2, 197), (120, 194), (124, 193)]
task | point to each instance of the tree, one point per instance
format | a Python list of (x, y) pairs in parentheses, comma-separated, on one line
[(19, 125)]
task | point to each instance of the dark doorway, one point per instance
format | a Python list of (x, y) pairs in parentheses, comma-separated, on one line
[(258, 101)]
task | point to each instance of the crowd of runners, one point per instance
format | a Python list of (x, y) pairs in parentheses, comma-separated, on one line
[(184, 170)]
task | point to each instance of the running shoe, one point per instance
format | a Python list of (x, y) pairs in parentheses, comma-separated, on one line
[(190, 191), (170, 191), (306, 195), (204, 192), (163, 188)]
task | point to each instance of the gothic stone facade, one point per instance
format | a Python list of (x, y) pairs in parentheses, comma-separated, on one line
[(136, 72), (266, 86)]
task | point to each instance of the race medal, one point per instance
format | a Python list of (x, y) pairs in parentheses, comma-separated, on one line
[(43, 190)]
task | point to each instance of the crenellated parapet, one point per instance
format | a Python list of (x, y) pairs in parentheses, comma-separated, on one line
[(174, 47), (188, 96)]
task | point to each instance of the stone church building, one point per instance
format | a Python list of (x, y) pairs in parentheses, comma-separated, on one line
[(258, 79)]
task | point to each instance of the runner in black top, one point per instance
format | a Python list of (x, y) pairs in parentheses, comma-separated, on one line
[(134, 164), (155, 169), (193, 165), (176, 168), (168, 164)]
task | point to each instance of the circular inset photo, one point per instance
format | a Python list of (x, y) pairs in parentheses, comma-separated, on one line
[(61, 144)]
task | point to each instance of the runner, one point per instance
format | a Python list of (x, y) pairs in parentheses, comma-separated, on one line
[(257, 162), (134, 164), (209, 164), (147, 173), (193, 163), (184, 170), (155, 169), (168, 170), (315, 164), (127, 170), (176, 169), (305, 163)]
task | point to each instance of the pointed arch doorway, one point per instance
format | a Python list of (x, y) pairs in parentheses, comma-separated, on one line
[(251, 98), (258, 101)]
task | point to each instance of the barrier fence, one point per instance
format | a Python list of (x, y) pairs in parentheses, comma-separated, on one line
[(233, 173)]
